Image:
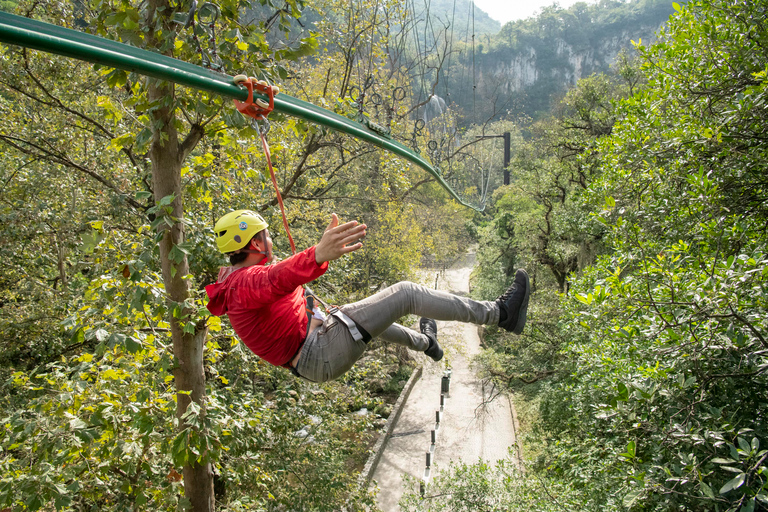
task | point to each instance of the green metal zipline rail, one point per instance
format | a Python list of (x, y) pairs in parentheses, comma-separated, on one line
[(38, 35)]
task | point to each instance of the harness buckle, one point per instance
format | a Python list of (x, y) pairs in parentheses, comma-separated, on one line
[(351, 325)]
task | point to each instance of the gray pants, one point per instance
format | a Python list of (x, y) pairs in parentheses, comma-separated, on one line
[(330, 351)]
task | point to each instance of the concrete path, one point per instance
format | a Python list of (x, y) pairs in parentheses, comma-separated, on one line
[(471, 429)]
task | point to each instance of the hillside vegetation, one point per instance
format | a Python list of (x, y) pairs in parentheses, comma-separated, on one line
[(462, 16), (639, 206)]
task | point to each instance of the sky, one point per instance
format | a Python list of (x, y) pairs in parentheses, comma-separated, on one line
[(508, 10)]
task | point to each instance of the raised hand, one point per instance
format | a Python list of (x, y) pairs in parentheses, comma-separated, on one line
[(335, 240)]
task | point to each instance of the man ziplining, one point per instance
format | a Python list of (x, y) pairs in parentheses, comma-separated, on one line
[(267, 306)]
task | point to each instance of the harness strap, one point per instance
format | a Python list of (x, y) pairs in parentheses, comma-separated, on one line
[(356, 330), (351, 325)]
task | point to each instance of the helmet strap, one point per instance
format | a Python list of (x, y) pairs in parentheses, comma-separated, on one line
[(267, 253)]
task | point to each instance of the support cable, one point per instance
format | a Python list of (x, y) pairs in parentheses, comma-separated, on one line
[(450, 52), (466, 57), (474, 74), (29, 33), (419, 54)]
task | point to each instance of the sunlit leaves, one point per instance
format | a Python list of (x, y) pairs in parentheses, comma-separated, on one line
[(658, 392)]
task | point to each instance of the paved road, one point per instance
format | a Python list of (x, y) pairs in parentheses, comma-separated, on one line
[(470, 428)]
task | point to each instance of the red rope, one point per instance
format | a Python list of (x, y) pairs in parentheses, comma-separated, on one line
[(277, 190)]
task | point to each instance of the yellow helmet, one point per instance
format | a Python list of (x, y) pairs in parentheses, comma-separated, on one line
[(234, 230)]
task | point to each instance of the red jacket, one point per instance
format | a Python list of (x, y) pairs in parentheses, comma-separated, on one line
[(266, 304)]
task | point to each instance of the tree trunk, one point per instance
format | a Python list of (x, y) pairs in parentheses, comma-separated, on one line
[(167, 156)]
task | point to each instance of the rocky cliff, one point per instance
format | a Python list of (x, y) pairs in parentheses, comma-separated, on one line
[(531, 63)]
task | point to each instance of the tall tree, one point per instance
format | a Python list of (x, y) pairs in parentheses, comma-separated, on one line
[(174, 122)]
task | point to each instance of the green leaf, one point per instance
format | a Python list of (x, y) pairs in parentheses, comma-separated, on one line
[(116, 339), (77, 423), (143, 395), (707, 490), (623, 394), (118, 143), (744, 445), (91, 240), (630, 453), (734, 483), (117, 78), (35, 502), (676, 6), (78, 336), (176, 254), (143, 137), (185, 503), (749, 506), (631, 497), (133, 345), (167, 200)]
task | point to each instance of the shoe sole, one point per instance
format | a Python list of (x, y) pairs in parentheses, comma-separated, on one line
[(523, 314), (436, 358)]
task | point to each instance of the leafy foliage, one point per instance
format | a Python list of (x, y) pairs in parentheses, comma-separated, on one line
[(96, 296), (646, 380)]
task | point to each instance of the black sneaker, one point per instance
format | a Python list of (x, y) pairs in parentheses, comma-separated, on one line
[(514, 303), (429, 329)]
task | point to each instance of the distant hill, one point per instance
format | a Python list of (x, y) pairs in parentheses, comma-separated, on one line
[(524, 66), (530, 63)]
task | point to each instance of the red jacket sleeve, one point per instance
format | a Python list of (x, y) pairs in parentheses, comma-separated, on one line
[(265, 284)]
